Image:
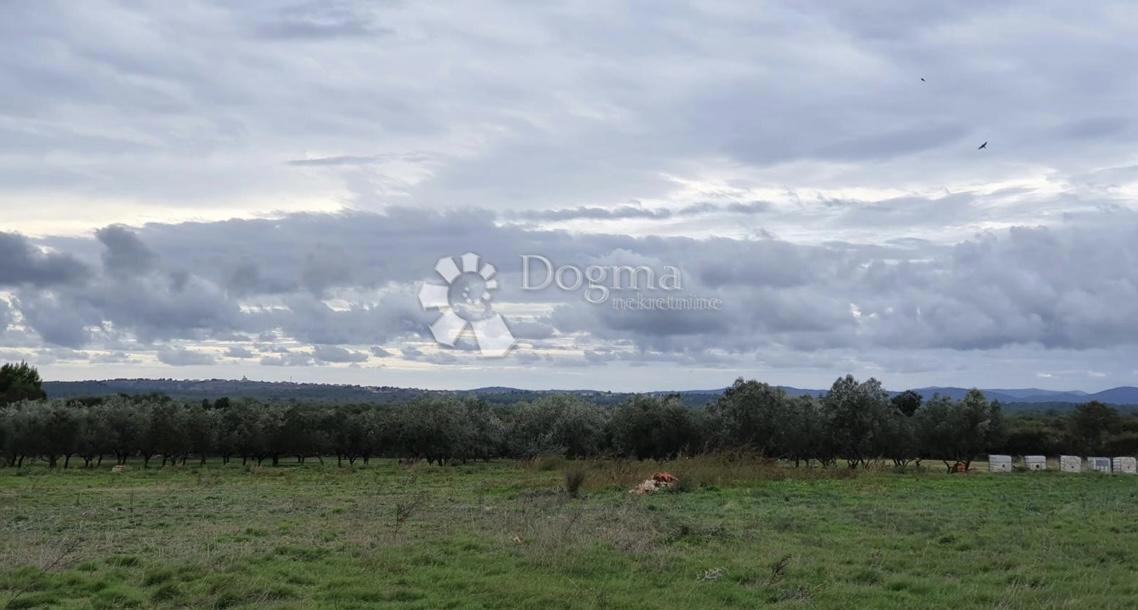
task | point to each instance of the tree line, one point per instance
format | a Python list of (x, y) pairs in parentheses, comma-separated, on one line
[(854, 424)]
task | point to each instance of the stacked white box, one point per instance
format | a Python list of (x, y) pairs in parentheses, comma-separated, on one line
[(1098, 464), (1070, 463), (1035, 462), (999, 463), (1125, 465)]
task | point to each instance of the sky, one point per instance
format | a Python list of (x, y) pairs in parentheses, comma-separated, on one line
[(219, 190)]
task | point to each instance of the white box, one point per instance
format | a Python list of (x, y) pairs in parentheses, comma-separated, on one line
[(1035, 462), (999, 463), (1098, 464), (1124, 465), (1070, 463)]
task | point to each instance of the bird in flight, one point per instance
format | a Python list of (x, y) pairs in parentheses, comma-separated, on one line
[(922, 79), (983, 146)]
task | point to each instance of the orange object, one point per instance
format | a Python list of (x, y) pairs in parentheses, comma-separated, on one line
[(664, 477)]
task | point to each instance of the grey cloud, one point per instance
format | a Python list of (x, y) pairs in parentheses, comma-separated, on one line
[(1044, 286), (236, 351), (112, 358), (411, 352), (318, 20), (532, 329), (288, 359), (58, 321), (180, 356), (1097, 128), (334, 161), (752, 207), (619, 212), (625, 212), (574, 110), (334, 354), (22, 263), (51, 356), (124, 252)]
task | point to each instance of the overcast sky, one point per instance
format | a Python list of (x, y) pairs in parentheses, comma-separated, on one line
[(260, 189)]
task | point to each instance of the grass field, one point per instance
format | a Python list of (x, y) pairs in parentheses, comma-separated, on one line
[(506, 535)]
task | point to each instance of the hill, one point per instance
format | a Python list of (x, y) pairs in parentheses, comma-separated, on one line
[(212, 389)]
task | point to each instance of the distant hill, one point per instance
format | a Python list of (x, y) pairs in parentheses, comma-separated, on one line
[(198, 389), (1119, 396), (212, 389)]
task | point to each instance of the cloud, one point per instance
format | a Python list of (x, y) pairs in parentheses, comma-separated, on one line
[(790, 160), (584, 109), (625, 212), (21, 263), (112, 358), (180, 356), (334, 161), (1066, 287), (124, 253), (334, 354), (288, 359), (319, 20), (236, 351), (56, 319)]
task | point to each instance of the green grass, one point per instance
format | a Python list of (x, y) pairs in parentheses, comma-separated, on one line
[(506, 535)]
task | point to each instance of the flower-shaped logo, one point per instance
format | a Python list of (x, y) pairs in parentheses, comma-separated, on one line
[(464, 302)]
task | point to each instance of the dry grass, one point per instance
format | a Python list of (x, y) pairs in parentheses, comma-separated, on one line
[(712, 470)]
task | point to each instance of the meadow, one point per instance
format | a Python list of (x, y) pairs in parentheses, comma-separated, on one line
[(507, 534)]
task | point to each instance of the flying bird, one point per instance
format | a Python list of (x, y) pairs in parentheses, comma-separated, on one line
[(922, 79), (983, 146)]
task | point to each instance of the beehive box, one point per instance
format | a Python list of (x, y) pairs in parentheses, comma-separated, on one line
[(1125, 465), (1070, 463), (1098, 464), (999, 463), (1035, 462)]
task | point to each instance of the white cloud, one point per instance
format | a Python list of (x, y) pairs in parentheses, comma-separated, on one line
[(294, 170)]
